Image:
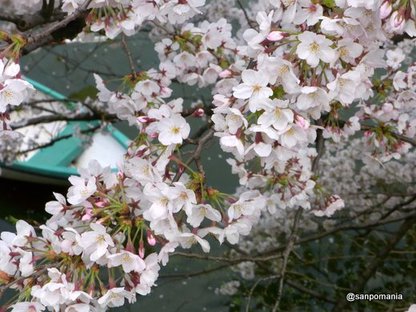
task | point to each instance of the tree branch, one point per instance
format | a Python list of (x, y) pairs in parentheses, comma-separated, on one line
[(286, 254), (129, 55), (52, 142), (36, 39), (249, 21), (52, 118)]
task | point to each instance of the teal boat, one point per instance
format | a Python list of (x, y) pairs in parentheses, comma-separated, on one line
[(64, 146)]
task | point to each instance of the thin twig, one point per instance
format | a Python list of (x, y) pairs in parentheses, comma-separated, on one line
[(286, 254), (129, 56), (53, 118), (225, 259), (197, 273), (320, 148), (57, 140), (398, 136), (308, 291), (250, 295), (249, 21)]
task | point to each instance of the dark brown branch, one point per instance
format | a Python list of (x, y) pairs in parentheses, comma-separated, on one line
[(36, 39), (225, 259), (57, 140), (397, 136), (320, 148), (308, 291), (52, 118), (340, 228), (201, 144), (288, 250), (197, 273), (29, 21), (129, 55), (249, 21)]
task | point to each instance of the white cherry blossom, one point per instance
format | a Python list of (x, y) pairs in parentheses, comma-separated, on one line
[(254, 86), (129, 261), (173, 130), (96, 242), (81, 189), (314, 48)]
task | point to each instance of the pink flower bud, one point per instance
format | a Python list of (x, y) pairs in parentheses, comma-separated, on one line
[(275, 36), (120, 175), (150, 238), (143, 119), (141, 249), (111, 283), (385, 9), (87, 215), (130, 246), (225, 73), (101, 203), (199, 112), (302, 122), (397, 21)]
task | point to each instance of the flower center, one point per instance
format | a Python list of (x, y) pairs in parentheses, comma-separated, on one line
[(7, 94), (343, 52), (126, 258), (283, 70), (164, 201), (100, 239), (277, 113), (85, 192), (175, 130), (314, 47), (256, 88)]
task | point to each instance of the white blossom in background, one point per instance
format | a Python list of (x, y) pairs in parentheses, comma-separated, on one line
[(13, 92)]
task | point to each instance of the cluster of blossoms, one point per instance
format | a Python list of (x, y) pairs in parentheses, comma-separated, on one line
[(373, 193), (393, 110), (307, 66), (114, 230), (398, 16), (198, 53), (116, 16), (13, 91), (278, 92)]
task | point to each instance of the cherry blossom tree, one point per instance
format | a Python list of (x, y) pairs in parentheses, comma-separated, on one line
[(312, 103)]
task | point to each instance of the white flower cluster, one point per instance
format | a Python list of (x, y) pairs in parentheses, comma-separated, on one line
[(111, 221), (13, 91), (116, 16), (299, 80), (303, 73), (371, 191), (198, 52)]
